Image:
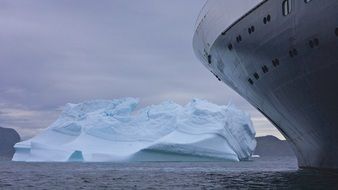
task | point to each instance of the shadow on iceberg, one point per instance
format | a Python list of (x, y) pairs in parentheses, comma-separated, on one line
[(76, 157), (179, 146), (113, 131)]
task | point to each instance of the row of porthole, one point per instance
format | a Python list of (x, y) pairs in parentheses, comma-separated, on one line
[(239, 37), (293, 52), (266, 20), (251, 30), (265, 69), (275, 63), (312, 43)]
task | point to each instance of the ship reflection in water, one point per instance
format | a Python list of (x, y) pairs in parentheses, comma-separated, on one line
[(261, 173)]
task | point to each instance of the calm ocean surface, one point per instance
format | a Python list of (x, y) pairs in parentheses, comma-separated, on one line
[(267, 173)]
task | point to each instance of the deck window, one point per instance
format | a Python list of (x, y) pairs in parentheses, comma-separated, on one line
[(287, 7), (307, 1)]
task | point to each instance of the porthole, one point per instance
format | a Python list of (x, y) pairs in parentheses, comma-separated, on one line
[(230, 47), (251, 29), (316, 42), (311, 44), (307, 1), (265, 69), (250, 81), (268, 18), (293, 53), (256, 76), (275, 62), (239, 38)]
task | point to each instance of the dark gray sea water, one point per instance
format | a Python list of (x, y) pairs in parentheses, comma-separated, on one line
[(261, 173)]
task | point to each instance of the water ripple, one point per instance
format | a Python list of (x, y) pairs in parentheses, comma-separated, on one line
[(273, 173)]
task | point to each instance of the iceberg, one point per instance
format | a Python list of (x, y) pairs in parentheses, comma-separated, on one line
[(115, 131)]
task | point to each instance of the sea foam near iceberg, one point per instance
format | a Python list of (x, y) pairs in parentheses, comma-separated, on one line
[(114, 131)]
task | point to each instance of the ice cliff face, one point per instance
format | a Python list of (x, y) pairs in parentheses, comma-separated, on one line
[(111, 130)]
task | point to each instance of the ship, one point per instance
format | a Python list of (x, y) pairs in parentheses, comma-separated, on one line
[(282, 57)]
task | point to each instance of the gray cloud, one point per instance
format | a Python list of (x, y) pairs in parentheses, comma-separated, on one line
[(54, 52)]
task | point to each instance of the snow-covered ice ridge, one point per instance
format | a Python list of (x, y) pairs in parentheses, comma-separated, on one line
[(113, 131)]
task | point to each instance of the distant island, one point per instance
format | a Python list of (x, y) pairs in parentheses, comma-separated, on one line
[(271, 146), (8, 138)]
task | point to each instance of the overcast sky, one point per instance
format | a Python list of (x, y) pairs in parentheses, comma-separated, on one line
[(57, 51)]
